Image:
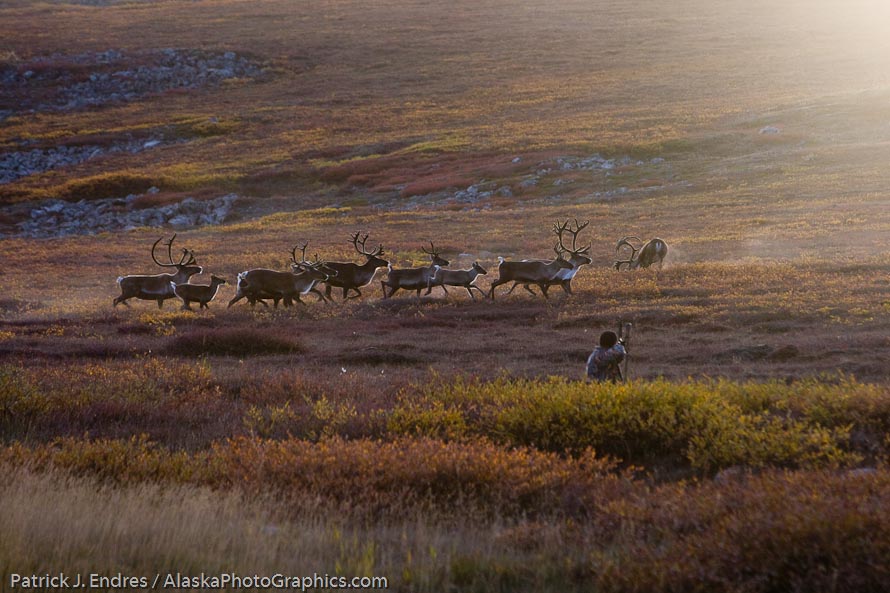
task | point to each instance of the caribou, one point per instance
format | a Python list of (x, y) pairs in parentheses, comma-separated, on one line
[(258, 284), (350, 276), (189, 293), (530, 272), (157, 287), (652, 252), (579, 257), (465, 278), (413, 278)]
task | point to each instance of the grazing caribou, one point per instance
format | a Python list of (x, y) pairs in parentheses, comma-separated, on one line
[(413, 278), (652, 252), (530, 272), (197, 293), (157, 287), (350, 276), (579, 257), (465, 278), (258, 284)]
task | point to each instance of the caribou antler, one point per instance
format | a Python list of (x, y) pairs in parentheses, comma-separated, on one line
[(626, 241), (358, 241), (559, 229), (432, 251), (186, 259), (293, 255)]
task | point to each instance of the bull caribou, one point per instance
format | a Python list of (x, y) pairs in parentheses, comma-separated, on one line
[(654, 251), (350, 276), (158, 287), (413, 278), (258, 284), (530, 272), (579, 257)]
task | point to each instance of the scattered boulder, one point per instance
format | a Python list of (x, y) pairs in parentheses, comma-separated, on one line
[(770, 130), (56, 218), (115, 76), (15, 165)]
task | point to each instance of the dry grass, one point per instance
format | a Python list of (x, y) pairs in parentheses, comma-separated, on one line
[(807, 531)]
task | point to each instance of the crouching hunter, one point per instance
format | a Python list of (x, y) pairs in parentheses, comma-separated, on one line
[(604, 363)]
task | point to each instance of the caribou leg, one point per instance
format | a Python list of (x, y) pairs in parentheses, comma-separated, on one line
[(482, 292)]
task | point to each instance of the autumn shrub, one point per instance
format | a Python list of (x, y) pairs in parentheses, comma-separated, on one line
[(363, 476), (704, 425), (233, 342), (308, 419), (776, 531), (70, 398)]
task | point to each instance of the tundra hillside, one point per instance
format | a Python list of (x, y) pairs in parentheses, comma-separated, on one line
[(441, 441)]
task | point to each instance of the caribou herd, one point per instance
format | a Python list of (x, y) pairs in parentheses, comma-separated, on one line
[(305, 276)]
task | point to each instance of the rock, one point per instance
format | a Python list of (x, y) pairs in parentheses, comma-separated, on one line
[(56, 206), (181, 221), (657, 160), (110, 80), (151, 144), (505, 192), (770, 130), (57, 218), (517, 160), (528, 183)]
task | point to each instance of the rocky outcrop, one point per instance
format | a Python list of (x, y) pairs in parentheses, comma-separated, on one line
[(92, 79), (477, 195), (55, 218), (15, 165)]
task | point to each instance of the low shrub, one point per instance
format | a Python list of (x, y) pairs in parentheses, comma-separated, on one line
[(233, 342), (363, 477), (705, 425), (777, 531)]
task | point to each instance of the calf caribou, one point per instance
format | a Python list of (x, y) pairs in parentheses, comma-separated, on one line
[(157, 287), (189, 293), (465, 278), (652, 252), (413, 278)]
